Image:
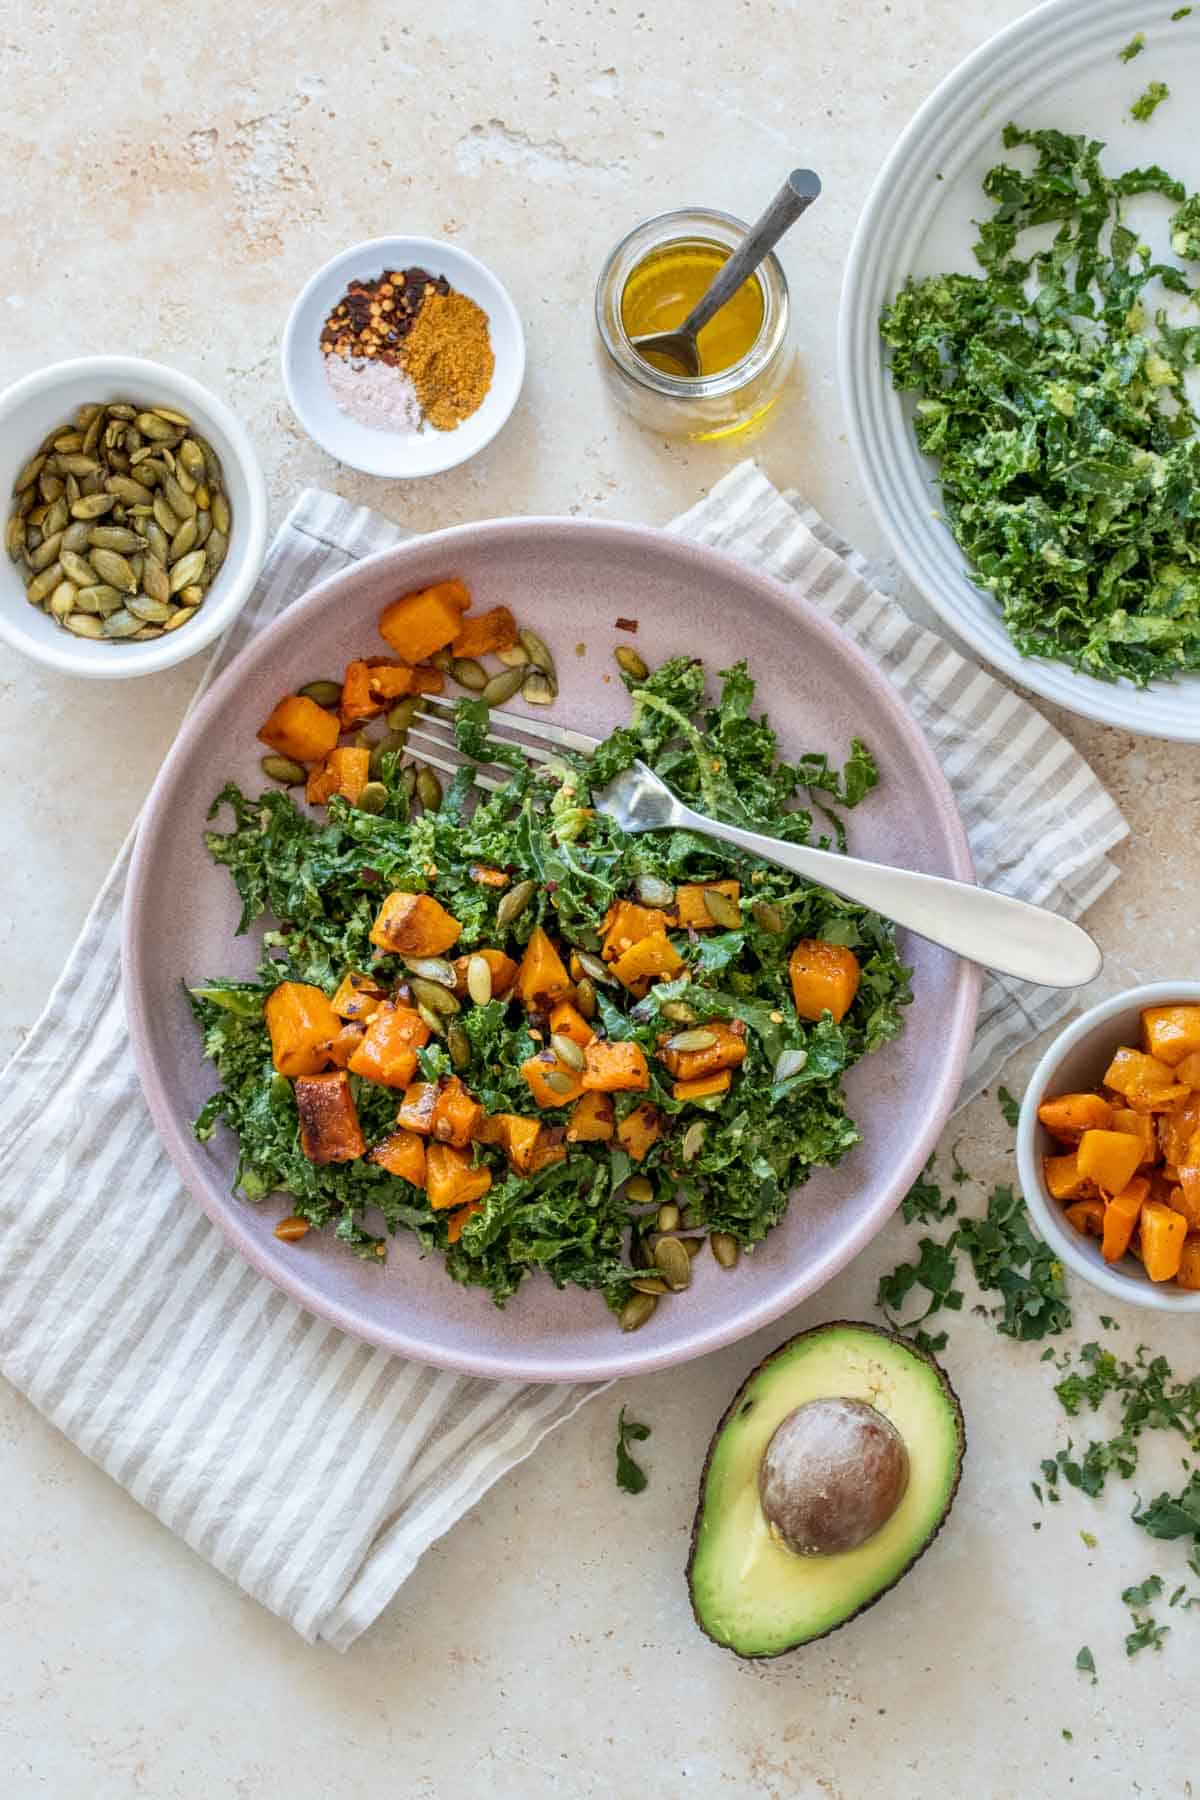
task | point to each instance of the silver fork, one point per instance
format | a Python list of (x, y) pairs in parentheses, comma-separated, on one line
[(1003, 933)]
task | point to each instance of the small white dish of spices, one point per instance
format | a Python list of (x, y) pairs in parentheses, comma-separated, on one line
[(403, 356)]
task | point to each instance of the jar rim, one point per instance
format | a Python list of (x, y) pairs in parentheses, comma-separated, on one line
[(681, 225)]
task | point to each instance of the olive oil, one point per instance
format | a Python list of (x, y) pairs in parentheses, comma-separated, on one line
[(662, 290)]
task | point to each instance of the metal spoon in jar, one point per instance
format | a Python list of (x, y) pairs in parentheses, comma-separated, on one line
[(794, 197)]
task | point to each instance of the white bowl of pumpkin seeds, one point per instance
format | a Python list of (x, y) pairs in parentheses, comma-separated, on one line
[(135, 517)]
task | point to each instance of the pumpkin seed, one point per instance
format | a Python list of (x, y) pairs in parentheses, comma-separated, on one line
[(77, 568), (116, 537), (693, 1246), (648, 1284), (112, 568), (78, 464), (325, 693), (789, 1063), (180, 617), (373, 798), (389, 742), (651, 890), (120, 409), (190, 596), (157, 429), (539, 689), (150, 612), (673, 1263), (87, 414), (203, 523), (44, 584), (46, 553), (441, 659), (630, 663), (14, 537), (502, 687), (157, 541), (401, 715), (513, 903), (187, 482), (567, 1051), (432, 994), (558, 1081), (768, 917), (29, 474), (515, 657), (640, 1190), (62, 600), (435, 1023), (668, 1216), (537, 652), (693, 1140), (134, 493), (725, 1248), (599, 971), (721, 909), (429, 789), (679, 1012), (56, 518), (458, 1044), (76, 536), (120, 624), (283, 770), (636, 1311), (164, 516), (291, 1230), (432, 968), (684, 1042), (155, 580), (192, 457), (99, 599), (184, 540), (469, 673), (585, 997), (408, 779), (173, 418), (51, 486), (479, 980), (220, 513), (83, 625), (68, 440), (185, 571)]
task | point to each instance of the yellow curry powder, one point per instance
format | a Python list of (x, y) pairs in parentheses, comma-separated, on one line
[(448, 357)]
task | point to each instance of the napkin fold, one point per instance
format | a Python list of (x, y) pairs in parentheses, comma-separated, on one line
[(309, 1468)]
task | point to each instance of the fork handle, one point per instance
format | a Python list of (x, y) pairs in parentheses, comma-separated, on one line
[(997, 930)]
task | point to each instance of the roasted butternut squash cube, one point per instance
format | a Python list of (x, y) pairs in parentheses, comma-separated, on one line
[(626, 923), (1162, 1232), (824, 979), (640, 1131), (549, 1147), (482, 634), (593, 1119), (567, 1021), (704, 1087), (416, 1108), (504, 972), (612, 1067), (456, 1114), (693, 910), (652, 958), (1064, 1180), (449, 1178), (514, 1134), (344, 1045), (1068, 1116), (329, 1127), (542, 978), (1086, 1217), (414, 925), (1169, 1033), (1138, 1125), (1121, 1214), (403, 1154), (1176, 1128), (459, 1217), (300, 729), (1188, 1272), (1109, 1158), (345, 771), (302, 1025), (1188, 1071), (388, 1052), (550, 1082), (357, 703), (358, 996), (727, 1051), (418, 624), (1147, 1084)]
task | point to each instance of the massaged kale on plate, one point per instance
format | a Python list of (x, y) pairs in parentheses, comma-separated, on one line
[(1052, 390), (502, 1024)]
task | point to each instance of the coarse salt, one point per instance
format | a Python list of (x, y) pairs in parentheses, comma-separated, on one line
[(377, 394)]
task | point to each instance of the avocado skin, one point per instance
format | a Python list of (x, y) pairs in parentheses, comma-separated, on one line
[(955, 1406)]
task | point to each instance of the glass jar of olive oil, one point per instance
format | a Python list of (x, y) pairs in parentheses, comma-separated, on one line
[(650, 282)]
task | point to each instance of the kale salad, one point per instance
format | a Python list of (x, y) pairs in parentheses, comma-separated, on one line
[(498, 1022), (1051, 388)]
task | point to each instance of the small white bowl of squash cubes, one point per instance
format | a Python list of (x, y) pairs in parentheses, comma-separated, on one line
[(1108, 1146)]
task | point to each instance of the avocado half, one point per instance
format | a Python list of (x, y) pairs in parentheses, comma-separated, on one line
[(749, 1592)]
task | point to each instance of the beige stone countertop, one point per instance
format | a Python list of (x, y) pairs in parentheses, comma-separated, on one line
[(172, 176)]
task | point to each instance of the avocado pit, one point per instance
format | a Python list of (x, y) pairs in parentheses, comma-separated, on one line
[(832, 1475)]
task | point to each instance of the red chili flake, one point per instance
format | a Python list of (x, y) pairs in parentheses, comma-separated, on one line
[(626, 625)]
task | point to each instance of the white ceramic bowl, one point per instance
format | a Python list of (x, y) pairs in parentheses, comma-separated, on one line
[(400, 455), (30, 409), (1075, 1061)]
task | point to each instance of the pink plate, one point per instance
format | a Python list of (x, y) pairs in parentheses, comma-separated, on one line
[(569, 580)]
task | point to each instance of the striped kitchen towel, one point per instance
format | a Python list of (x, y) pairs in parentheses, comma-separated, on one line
[(309, 1468)]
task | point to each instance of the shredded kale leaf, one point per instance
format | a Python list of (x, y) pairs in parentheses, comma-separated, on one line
[(631, 1477), (321, 881), (1050, 389), (1147, 104), (1134, 47)]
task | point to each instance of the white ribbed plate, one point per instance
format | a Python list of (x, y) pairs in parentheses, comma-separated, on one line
[(1057, 67)]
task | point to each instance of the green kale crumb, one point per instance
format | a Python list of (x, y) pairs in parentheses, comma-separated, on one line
[(1145, 106), (631, 1477), (1085, 1662), (1009, 1107), (1185, 229), (1133, 48)]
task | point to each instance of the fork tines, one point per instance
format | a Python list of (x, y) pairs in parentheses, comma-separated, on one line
[(433, 732)]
